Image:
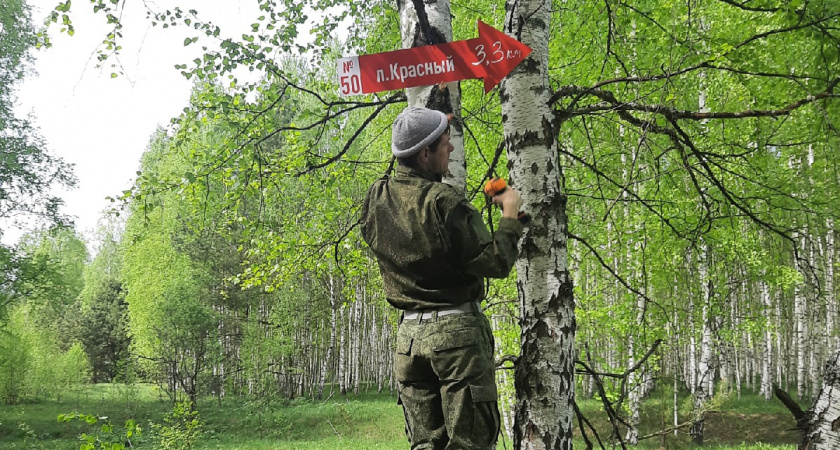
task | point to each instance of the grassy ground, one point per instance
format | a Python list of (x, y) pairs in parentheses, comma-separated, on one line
[(369, 421)]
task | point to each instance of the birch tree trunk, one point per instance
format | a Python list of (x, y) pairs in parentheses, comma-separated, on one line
[(822, 419), (705, 375), (800, 327), (544, 373), (342, 354), (358, 327), (636, 384), (767, 353), (692, 340), (830, 296), (816, 343), (429, 22), (384, 351), (331, 347)]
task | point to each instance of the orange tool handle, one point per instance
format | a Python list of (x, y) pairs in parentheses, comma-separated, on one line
[(496, 186)]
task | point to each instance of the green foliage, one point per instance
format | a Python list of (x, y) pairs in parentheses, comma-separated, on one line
[(27, 170), (245, 212), (76, 367), (369, 421), (103, 330), (181, 429), (15, 356), (32, 364), (103, 309), (39, 355), (104, 436)]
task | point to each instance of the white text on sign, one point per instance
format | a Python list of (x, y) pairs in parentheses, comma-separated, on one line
[(399, 72), (498, 54)]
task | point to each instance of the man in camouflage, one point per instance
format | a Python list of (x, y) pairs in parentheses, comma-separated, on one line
[(434, 251)]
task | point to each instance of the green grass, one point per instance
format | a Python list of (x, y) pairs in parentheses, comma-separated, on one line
[(367, 421)]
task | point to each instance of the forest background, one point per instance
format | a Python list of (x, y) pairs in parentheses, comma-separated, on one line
[(678, 159)]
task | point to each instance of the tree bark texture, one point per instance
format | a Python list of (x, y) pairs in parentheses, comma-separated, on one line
[(544, 374), (424, 22), (823, 418)]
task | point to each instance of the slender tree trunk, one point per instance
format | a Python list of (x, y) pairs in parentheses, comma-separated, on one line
[(358, 326), (504, 382), (692, 340), (430, 25), (342, 354), (705, 376), (767, 353), (544, 374), (327, 362), (801, 327), (830, 296), (383, 352), (637, 385)]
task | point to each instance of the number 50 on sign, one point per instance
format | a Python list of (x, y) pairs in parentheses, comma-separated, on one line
[(349, 76)]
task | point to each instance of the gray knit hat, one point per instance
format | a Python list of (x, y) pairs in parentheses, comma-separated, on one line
[(416, 128)]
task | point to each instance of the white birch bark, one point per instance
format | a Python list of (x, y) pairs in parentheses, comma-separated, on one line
[(692, 347), (433, 25), (830, 296), (373, 346), (823, 417), (612, 302), (544, 374), (800, 327), (342, 354), (351, 351), (506, 405), (705, 376), (767, 353), (637, 385), (331, 347), (357, 345), (384, 350), (778, 343)]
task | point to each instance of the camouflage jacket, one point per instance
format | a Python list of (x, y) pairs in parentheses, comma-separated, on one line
[(431, 243)]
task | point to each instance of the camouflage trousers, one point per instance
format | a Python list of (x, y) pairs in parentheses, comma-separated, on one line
[(446, 378)]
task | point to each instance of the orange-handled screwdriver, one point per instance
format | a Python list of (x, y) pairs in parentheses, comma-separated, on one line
[(496, 186)]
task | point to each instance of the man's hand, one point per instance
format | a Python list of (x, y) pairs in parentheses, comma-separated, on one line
[(510, 201)]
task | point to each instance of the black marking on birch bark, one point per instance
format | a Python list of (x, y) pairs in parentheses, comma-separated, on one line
[(561, 200), (509, 8), (425, 34), (535, 23), (527, 139), (504, 97), (549, 134), (555, 302), (441, 100), (548, 442), (530, 66), (530, 247), (541, 329)]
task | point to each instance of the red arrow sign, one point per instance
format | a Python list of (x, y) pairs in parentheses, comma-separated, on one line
[(490, 56)]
